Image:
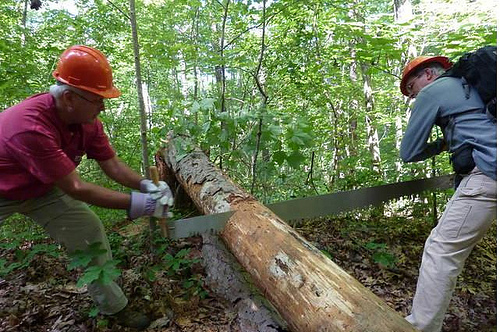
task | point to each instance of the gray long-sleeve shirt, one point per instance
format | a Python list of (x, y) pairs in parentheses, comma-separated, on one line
[(439, 100)]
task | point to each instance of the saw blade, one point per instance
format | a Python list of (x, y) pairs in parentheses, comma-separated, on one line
[(212, 223), (316, 206), (335, 203)]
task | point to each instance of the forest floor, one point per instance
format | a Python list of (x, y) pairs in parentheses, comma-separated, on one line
[(382, 253)]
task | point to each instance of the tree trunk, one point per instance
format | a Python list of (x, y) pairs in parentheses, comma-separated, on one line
[(309, 290), (403, 12), (140, 96), (260, 82), (144, 129), (371, 128)]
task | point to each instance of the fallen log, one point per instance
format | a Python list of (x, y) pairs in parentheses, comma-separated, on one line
[(224, 276), (309, 291)]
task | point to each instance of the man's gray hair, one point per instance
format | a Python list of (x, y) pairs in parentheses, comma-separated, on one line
[(437, 68), (58, 89)]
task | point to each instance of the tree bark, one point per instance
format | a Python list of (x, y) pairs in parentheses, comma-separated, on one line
[(224, 276), (138, 77), (309, 290), (371, 128)]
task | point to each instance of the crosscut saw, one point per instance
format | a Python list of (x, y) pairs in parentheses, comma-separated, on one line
[(316, 206)]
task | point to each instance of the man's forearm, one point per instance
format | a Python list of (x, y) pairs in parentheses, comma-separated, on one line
[(121, 173), (430, 150), (100, 196), (128, 177), (73, 186)]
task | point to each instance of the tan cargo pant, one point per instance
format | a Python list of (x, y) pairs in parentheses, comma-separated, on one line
[(73, 224), (466, 219)]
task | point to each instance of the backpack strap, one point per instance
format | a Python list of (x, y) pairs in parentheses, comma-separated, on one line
[(491, 108), (466, 87)]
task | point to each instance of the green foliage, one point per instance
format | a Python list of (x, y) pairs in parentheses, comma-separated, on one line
[(18, 229), (104, 274), (26, 241), (103, 323), (24, 257), (94, 312), (380, 254), (327, 254), (82, 258), (319, 63), (194, 287), (176, 264), (179, 262)]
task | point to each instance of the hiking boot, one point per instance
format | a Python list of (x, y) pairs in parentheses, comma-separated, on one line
[(131, 318)]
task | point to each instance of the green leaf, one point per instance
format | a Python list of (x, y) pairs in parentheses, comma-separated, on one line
[(384, 258), (195, 107), (327, 254), (207, 103), (109, 272), (279, 157), (10, 245), (297, 140), (81, 258), (90, 275), (175, 265), (187, 284), (94, 312), (206, 127), (182, 253), (296, 159), (79, 261), (275, 130)]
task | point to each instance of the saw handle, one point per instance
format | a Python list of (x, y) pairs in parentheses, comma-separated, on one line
[(155, 177)]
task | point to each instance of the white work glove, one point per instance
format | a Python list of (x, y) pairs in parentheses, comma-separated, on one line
[(143, 204), (161, 190)]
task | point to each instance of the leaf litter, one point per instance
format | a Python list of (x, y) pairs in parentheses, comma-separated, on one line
[(44, 297)]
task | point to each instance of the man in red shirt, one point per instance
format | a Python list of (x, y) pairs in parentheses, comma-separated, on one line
[(42, 140)]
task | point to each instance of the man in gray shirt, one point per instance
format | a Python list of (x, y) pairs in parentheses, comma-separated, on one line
[(470, 134)]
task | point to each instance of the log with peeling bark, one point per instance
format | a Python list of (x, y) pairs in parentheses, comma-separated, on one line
[(310, 292), (224, 276)]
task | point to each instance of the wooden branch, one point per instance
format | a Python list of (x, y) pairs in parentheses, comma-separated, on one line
[(121, 11), (268, 19)]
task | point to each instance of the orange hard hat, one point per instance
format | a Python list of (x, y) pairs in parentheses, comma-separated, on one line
[(416, 64), (88, 69)]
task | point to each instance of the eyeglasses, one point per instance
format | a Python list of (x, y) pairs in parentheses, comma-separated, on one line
[(98, 101), (409, 85)]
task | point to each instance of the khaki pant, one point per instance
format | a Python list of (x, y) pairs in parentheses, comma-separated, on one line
[(466, 219), (73, 224)]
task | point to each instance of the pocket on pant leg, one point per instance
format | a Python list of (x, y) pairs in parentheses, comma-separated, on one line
[(474, 184), (468, 192), (460, 207), (454, 219)]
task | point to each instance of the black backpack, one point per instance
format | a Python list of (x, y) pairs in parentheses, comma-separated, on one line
[(479, 69)]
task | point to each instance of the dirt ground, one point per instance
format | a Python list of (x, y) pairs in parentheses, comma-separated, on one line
[(43, 296)]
